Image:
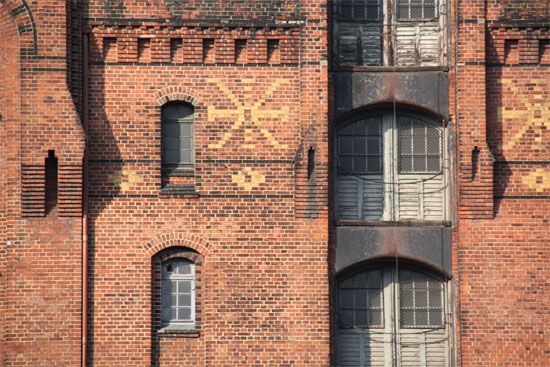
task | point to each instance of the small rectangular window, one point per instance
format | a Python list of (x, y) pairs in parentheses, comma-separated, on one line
[(177, 135), (178, 292), (416, 9)]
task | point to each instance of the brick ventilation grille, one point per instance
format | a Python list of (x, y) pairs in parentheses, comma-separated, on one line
[(70, 191), (33, 191)]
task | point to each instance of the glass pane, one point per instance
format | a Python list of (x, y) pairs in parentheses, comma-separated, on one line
[(346, 298), (184, 286), (405, 164), (359, 164), (421, 318), (345, 145), (433, 164), (429, 12), (186, 156), (171, 144), (170, 111), (186, 144), (345, 10), (359, 145), (359, 11), (407, 318), (375, 298), (184, 268), (184, 300), (170, 129), (173, 300), (372, 12), (433, 145), (374, 127), (362, 318), (435, 318), (375, 318), (407, 299), (361, 298), (184, 313), (419, 145), (435, 299), (419, 164), (405, 145), (186, 129), (374, 146), (403, 12), (374, 164), (173, 313), (421, 298)]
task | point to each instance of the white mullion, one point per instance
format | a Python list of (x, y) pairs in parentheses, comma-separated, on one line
[(387, 168), (389, 350)]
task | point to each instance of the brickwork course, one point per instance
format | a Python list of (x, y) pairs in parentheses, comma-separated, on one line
[(85, 81)]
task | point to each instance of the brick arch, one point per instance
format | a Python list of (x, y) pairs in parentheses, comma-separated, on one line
[(26, 26), (177, 239), (177, 93)]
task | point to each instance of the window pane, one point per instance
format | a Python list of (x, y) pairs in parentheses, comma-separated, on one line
[(360, 164), (361, 318), (346, 165), (345, 145), (186, 130), (359, 145), (421, 318), (346, 298), (435, 318), (434, 164), (419, 144), (375, 298), (375, 318), (186, 156), (405, 164), (361, 299), (184, 314), (407, 318), (433, 144), (184, 268), (184, 286), (184, 300), (374, 145), (170, 130), (421, 298), (374, 165), (171, 144)]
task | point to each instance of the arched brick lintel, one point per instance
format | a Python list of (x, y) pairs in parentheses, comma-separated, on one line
[(177, 93), (177, 239), (26, 26)]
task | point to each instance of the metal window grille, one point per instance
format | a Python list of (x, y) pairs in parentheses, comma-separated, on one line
[(178, 136), (360, 147), (417, 9), (178, 292), (421, 300), (350, 10), (420, 146), (361, 300)]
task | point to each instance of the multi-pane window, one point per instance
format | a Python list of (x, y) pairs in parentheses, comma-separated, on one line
[(178, 151), (178, 292), (389, 33), (392, 315), (416, 9), (391, 166)]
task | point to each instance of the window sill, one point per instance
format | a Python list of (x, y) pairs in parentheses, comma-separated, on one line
[(183, 171), (187, 331), (402, 223), (179, 190)]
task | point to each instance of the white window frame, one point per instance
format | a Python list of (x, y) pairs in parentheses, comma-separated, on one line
[(176, 323)]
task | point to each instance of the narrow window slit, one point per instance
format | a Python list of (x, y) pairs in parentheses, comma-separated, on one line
[(176, 50), (310, 162), (51, 182), (110, 49)]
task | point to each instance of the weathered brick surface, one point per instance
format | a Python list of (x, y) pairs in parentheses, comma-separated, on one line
[(257, 76)]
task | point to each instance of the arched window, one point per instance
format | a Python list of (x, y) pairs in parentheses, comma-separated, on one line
[(178, 293), (178, 146), (391, 166), (390, 315)]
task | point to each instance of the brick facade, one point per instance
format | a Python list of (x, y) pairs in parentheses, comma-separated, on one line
[(86, 81)]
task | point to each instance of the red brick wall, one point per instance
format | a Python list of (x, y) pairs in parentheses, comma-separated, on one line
[(8, 96), (264, 278), (501, 262)]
